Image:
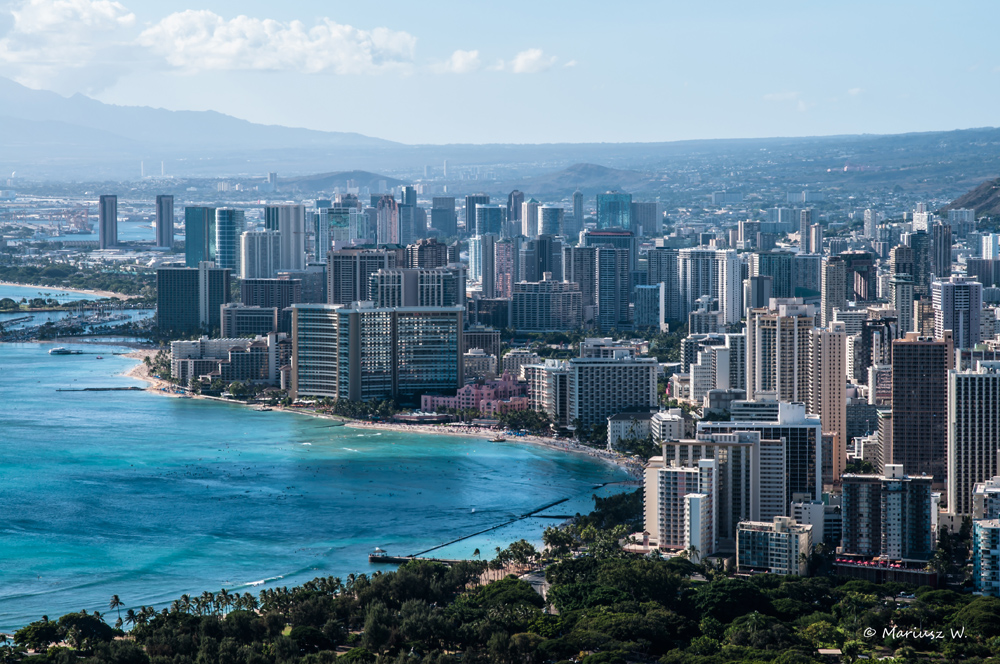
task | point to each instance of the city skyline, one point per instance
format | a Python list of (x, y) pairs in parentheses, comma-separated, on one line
[(687, 73)]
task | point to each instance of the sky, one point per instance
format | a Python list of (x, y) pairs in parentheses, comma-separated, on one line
[(543, 71)]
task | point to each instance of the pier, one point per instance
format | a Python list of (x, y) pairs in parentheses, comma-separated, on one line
[(99, 389)]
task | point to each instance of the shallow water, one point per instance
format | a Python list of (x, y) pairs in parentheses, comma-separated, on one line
[(149, 497)]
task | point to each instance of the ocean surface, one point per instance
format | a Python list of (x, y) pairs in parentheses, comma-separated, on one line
[(149, 497)]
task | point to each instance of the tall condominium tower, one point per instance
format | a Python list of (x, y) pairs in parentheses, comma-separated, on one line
[(958, 305), (550, 220), (348, 273), (260, 254), (443, 216), (471, 201), (290, 221), (491, 219), (529, 218), (973, 432), (941, 249), (189, 300), (614, 210), (515, 202), (834, 288), (165, 221), (580, 267), (199, 235), (920, 368), (778, 342), (712, 272), (612, 289), (805, 221), (229, 226), (578, 209), (901, 299), (827, 395), (107, 226)]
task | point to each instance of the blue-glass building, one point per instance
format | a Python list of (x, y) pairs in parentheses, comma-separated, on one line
[(614, 210), (199, 235)]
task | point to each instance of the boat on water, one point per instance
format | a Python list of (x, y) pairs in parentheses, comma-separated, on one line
[(64, 351), (498, 439), (99, 357), (262, 409)]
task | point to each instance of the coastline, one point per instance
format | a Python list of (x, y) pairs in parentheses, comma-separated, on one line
[(62, 289), (161, 387)]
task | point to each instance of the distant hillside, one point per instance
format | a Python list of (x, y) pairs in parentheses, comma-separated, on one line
[(984, 199), (327, 181), (588, 178)]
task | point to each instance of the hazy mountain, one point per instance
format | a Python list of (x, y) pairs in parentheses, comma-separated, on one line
[(328, 181), (588, 178), (984, 199)]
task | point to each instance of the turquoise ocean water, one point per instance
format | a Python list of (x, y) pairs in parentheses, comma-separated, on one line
[(149, 497)]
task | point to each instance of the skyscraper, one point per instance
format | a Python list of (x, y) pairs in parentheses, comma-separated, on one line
[(815, 239), (920, 368), (827, 392), (443, 216), (776, 264), (834, 288), (349, 271), (973, 432), (901, 299), (515, 204), (579, 266), (491, 219), (290, 221), (888, 515), (578, 209), (922, 244), (958, 305), (529, 218), (190, 300), (778, 343), (712, 272), (612, 292), (550, 220), (990, 245), (662, 267), (427, 253), (614, 210), (387, 211), (107, 226), (482, 262), (805, 221), (165, 221), (471, 201), (647, 217), (941, 248), (199, 235), (229, 225), (260, 254)]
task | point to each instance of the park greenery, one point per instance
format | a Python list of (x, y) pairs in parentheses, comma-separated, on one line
[(141, 283), (603, 605)]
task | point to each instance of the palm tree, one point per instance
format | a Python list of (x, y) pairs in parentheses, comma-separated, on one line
[(475, 554), (130, 617), (115, 602), (224, 598)]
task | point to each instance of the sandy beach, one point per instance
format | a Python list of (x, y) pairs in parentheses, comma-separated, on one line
[(632, 466), (63, 289)]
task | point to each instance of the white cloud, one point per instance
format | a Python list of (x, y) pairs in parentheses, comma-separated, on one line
[(781, 96), (571, 63), (460, 62), (67, 45), (854, 92), (197, 40), (531, 61)]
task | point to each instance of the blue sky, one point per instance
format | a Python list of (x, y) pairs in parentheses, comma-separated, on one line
[(524, 72)]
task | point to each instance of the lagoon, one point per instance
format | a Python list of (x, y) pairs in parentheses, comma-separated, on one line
[(149, 497)]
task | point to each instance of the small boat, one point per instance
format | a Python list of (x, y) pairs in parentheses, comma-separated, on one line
[(99, 357), (262, 409), (498, 439)]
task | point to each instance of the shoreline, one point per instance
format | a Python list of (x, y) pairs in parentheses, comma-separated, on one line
[(163, 388), (61, 289)]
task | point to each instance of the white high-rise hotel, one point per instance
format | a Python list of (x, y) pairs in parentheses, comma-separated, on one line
[(712, 272)]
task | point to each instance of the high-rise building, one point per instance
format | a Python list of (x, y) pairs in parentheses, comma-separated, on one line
[(662, 268), (199, 235), (614, 210), (349, 271), (427, 253), (578, 208), (362, 352), (387, 220), (860, 276), (491, 219), (337, 225), (775, 264), (165, 221), (290, 222), (529, 218), (515, 204), (984, 270), (650, 307), (890, 515), (941, 243), (580, 266), (778, 342), (922, 244), (834, 288), (647, 218), (805, 222), (920, 368), (238, 320), (443, 217), (277, 293), (612, 292), (871, 223), (901, 260), (229, 226), (538, 256), (482, 262), (802, 438), (107, 223), (550, 220), (600, 387), (681, 505), (958, 305), (777, 547), (901, 299), (546, 306), (189, 300), (827, 389), (815, 239), (990, 245), (973, 433), (260, 254), (712, 272), (471, 201), (986, 557), (417, 287)]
